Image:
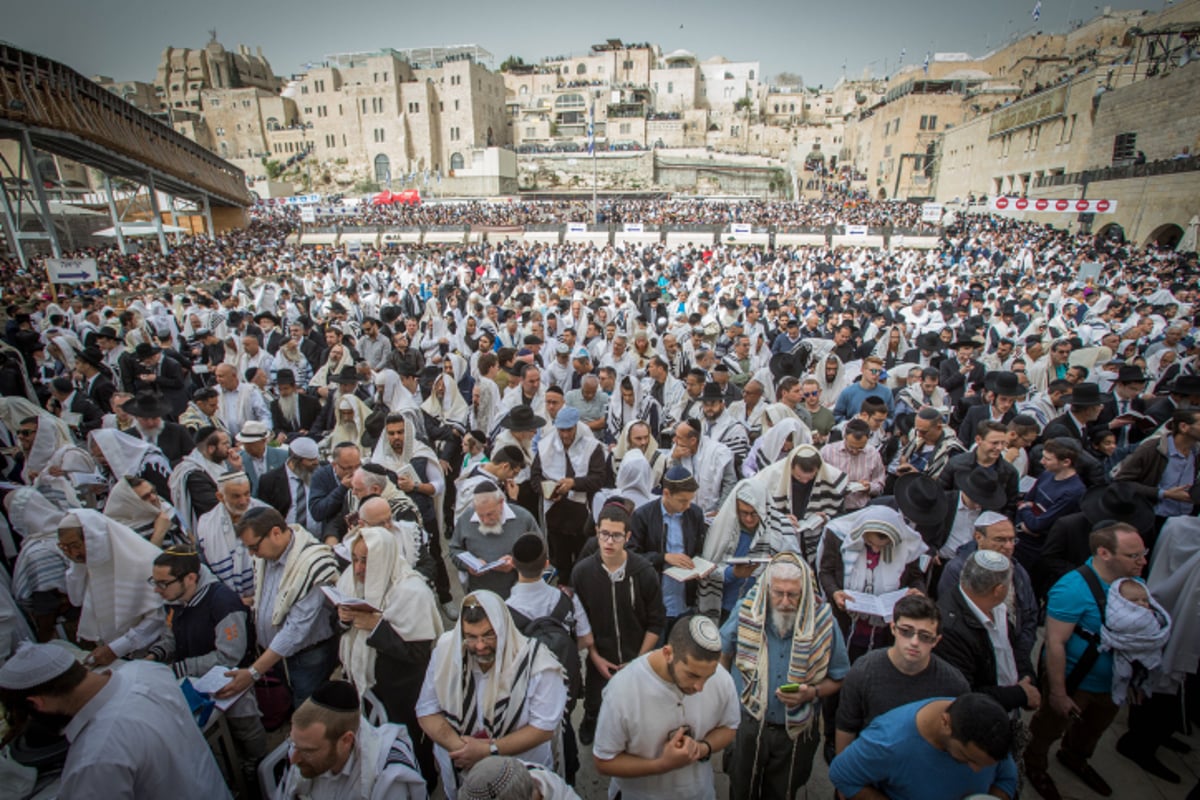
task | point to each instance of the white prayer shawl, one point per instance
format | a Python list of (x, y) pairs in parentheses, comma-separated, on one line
[(772, 445), (180, 497), (241, 405), (1175, 583), (128, 455), (309, 563), (514, 397), (40, 566), (505, 438), (554, 459), (126, 507), (830, 389), (451, 409), (390, 391), (52, 433), (635, 482), (1132, 634), (223, 551), (710, 461), (906, 546), (391, 585), (348, 431), (622, 447), (327, 374), (485, 415), (518, 659), (111, 587)]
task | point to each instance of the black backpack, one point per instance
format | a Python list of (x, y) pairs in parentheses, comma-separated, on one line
[(556, 631)]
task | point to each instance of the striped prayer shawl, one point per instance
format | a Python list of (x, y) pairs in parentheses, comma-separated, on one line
[(309, 564), (507, 709), (812, 649)]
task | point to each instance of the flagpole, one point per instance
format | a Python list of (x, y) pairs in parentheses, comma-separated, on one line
[(592, 148)]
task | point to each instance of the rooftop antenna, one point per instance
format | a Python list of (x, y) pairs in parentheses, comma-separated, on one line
[(212, 35)]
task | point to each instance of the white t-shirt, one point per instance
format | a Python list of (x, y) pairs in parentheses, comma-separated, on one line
[(639, 713), (540, 599)]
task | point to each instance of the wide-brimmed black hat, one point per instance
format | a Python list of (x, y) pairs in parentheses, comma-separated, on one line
[(1004, 384), (982, 487), (91, 355), (1119, 502), (147, 404), (921, 499), (266, 315), (1087, 394), (346, 375), (1128, 373), (712, 391), (1186, 385), (929, 341), (522, 418), (107, 332), (145, 350), (968, 342)]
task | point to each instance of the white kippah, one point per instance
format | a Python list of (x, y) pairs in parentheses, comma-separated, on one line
[(988, 518), (233, 477), (704, 633), (69, 521), (34, 664), (991, 560), (304, 448)]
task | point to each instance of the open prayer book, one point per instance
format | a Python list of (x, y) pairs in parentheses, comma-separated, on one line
[(876, 606), (339, 599), (214, 680), (478, 564), (701, 567)]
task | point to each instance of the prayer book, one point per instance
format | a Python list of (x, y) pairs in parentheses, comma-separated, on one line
[(701, 568), (478, 564), (875, 605), (339, 599), (213, 681)]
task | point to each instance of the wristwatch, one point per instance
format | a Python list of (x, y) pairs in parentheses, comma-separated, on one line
[(255, 675), (493, 748), (707, 755)]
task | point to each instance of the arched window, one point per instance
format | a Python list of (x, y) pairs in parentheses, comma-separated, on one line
[(272, 124), (751, 74), (581, 69), (456, 161), (383, 168), (524, 89)]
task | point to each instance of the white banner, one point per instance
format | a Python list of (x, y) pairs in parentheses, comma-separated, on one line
[(740, 228), (1060, 205), (576, 227), (635, 227), (302, 200), (71, 270), (308, 214), (856, 230), (931, 212)]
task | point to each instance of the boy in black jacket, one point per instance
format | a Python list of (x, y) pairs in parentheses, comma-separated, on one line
[(620, 592)]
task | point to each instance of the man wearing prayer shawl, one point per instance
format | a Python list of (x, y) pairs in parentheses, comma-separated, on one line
[(490, 691), (387, 651), (785, 653), (119, 611), (217, 539)]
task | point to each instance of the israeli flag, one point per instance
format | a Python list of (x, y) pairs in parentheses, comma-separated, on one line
[(591, 130), (926, 64), (1037, 11)]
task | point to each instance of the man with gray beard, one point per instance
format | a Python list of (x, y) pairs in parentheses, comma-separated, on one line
[(218, 541), (785, 654), (286, 487), (487, 536), (293, 412), (148, 412)]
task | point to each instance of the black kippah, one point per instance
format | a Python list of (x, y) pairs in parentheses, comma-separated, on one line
[(485, 487), (336, 696), (528, 548)]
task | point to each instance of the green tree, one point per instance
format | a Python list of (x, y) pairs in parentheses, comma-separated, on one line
[(510, 62), (274, 168)]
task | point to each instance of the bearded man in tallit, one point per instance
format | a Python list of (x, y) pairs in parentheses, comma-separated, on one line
[(386, 652), (490, 690), (782, 633), (217, 539), (107, 579)]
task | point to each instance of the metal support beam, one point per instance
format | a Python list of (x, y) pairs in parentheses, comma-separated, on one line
[(175, 219), (40, 191), (10, 226), (212, 234), (157, 212), (112, 212)]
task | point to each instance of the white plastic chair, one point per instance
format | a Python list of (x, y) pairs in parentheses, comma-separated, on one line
[(272, 769)]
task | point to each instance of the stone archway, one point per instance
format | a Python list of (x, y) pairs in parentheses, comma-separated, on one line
[(1167, 235), (1113, 232)]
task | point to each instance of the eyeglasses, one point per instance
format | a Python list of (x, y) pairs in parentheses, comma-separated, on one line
[(1138, 556), (27, 432), (487, 638), (873, 370), (908, 632), (148, 497), (162, 584), (607, 536), (811, 394)]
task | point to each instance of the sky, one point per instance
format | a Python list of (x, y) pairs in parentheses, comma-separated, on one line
[(124, 39)]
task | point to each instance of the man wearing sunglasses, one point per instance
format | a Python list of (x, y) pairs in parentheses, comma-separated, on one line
[(904, 673), (207, 626)]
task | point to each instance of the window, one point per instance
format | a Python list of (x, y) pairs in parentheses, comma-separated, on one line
[(570, 101), (581, 69), (214, 102), (220, 131), (456, 105), (1124, 147), (627, 65), (383, 169), (272, 124), (455, 134), (456, 161), (530, 132), (379, 135), (751, 74), (330, 140), (414, 108), (625, 127), (524, 90), (670, 87)]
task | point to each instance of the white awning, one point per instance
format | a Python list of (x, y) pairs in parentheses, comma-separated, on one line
[(139, 229)]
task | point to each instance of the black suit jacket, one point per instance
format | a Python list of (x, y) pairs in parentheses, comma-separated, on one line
[(1109, 413), (273, 342), (309, 407), (169, 384), (174, 441), (273, 489), (101, 392), (1066, 426), (954, 382), (649, 537), (977, 414), (91, 417), (913, 356)]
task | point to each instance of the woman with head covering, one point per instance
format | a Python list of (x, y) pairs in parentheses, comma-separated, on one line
[(872, 551), (385, 649), (40, 574)]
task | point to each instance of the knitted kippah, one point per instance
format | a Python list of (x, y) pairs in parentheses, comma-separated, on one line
[(497, 778)]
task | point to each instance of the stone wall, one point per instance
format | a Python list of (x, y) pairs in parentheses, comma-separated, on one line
[(619, 171)]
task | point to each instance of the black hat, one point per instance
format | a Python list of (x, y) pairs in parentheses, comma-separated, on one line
[(346, 375), (146, 404), (1186, 385), (1004, 384), (107, 332), (266, 315), (972, 343), (407, 370), (1131, 374), (62, 384), (929, 341), (336, 696), (91, 355), (522, 418), (1119, 502), (1087, 394), (529, 549), (145, 350), (285, 377), (712, 391), (921, 499), (982, 487)]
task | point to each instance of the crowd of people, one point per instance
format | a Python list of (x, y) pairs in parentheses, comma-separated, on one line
[(415, 507), (839, 206)]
